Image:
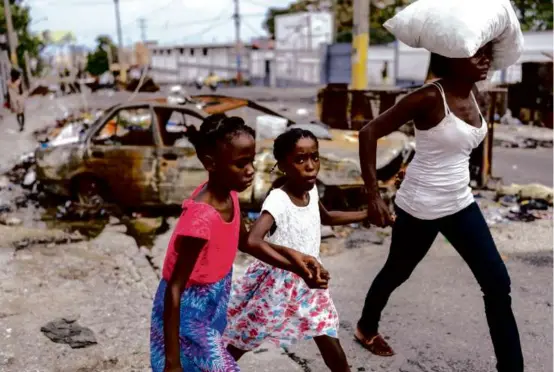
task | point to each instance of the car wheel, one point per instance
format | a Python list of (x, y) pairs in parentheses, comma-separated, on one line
[(88, 191)]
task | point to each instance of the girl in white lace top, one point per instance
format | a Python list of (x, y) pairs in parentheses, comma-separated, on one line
[(270, 304)]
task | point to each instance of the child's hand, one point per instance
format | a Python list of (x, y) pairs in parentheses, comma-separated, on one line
[(319, 277)]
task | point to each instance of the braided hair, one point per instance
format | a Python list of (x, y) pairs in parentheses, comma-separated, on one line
[(216, 128), (284, 145)]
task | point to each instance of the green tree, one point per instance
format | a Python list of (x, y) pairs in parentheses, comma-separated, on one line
[(97, 61), (534, 15), (27, 41)]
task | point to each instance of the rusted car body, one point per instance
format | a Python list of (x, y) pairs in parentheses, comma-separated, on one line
[(137, 154)]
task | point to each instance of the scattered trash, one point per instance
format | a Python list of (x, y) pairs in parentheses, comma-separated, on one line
[(10, 221), (76, 211), (67, 331), (533, 204), (30, 178), (508, 119), (526, 192), (514, 134), (508, 200), (4, 182)]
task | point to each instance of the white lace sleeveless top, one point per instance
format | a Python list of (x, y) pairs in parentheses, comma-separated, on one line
[(436, 183), (298, 228)]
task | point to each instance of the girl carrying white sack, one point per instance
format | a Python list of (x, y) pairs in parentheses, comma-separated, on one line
[(466, 38)]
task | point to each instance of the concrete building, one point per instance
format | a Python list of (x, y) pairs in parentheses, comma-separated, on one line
[(186, 63)]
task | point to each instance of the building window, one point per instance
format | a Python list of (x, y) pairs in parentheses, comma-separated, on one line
[(205, 51), (182, 51), (191, 52)]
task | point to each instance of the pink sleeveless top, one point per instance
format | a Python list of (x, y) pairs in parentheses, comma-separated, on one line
[(200, 220)]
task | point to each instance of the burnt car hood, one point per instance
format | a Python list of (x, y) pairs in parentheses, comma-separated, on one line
[(339, 156)]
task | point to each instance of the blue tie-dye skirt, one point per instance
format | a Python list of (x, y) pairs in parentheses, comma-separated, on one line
[(203, 319)]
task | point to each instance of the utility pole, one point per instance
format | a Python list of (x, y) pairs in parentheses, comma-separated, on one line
[(11, 34), (309, 31), (238, 46), (142, 26), (122, 68), (360, 46), (334, 12)]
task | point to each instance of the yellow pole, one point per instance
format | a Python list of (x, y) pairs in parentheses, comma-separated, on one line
[(360, 44)]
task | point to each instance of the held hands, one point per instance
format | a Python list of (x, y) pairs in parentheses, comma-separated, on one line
[(311, 271), (378, 212)]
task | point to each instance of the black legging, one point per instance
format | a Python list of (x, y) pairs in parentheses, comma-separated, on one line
[(468, 232), (21, 120)]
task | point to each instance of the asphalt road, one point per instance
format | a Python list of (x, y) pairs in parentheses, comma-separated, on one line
[(523, 165)]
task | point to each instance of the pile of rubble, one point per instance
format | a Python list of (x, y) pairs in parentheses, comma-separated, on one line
[(68, 126), (523, 203)]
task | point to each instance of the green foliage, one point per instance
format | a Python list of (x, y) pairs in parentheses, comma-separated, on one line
[(534, 15), (97, 61), (27, 41)]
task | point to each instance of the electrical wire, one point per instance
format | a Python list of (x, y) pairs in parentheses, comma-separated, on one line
[(204, 30), (202, 21), (261, 5), (154, 11), (253, 29)]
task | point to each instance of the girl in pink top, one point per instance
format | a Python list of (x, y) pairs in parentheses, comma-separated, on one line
[(190, 305)]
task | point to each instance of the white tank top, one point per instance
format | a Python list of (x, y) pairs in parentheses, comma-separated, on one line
[(436, 183)]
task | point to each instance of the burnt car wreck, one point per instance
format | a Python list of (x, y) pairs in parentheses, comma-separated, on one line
[(138, 154)]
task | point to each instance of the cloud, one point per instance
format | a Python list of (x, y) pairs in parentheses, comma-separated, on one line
[(168, 21)]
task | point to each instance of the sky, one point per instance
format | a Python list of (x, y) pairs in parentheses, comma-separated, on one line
[(167, 21)]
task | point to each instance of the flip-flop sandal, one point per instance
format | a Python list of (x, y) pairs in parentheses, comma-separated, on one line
[(376, 344)]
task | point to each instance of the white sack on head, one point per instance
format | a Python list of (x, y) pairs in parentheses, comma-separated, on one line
[(458, 28)]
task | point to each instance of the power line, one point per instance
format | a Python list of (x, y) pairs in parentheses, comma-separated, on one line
[(200, 32), (192, 23), (256, 3), (204, 30), (252, 28), (154, 11)]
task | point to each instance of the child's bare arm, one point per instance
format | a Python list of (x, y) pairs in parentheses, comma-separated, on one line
[(285, 258), (188, 250), (332, 218), (254, 244)]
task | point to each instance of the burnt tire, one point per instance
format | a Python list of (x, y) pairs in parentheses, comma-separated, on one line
[(89, 190)]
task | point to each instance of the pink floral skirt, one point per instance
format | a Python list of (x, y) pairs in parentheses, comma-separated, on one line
[(275, 305)]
